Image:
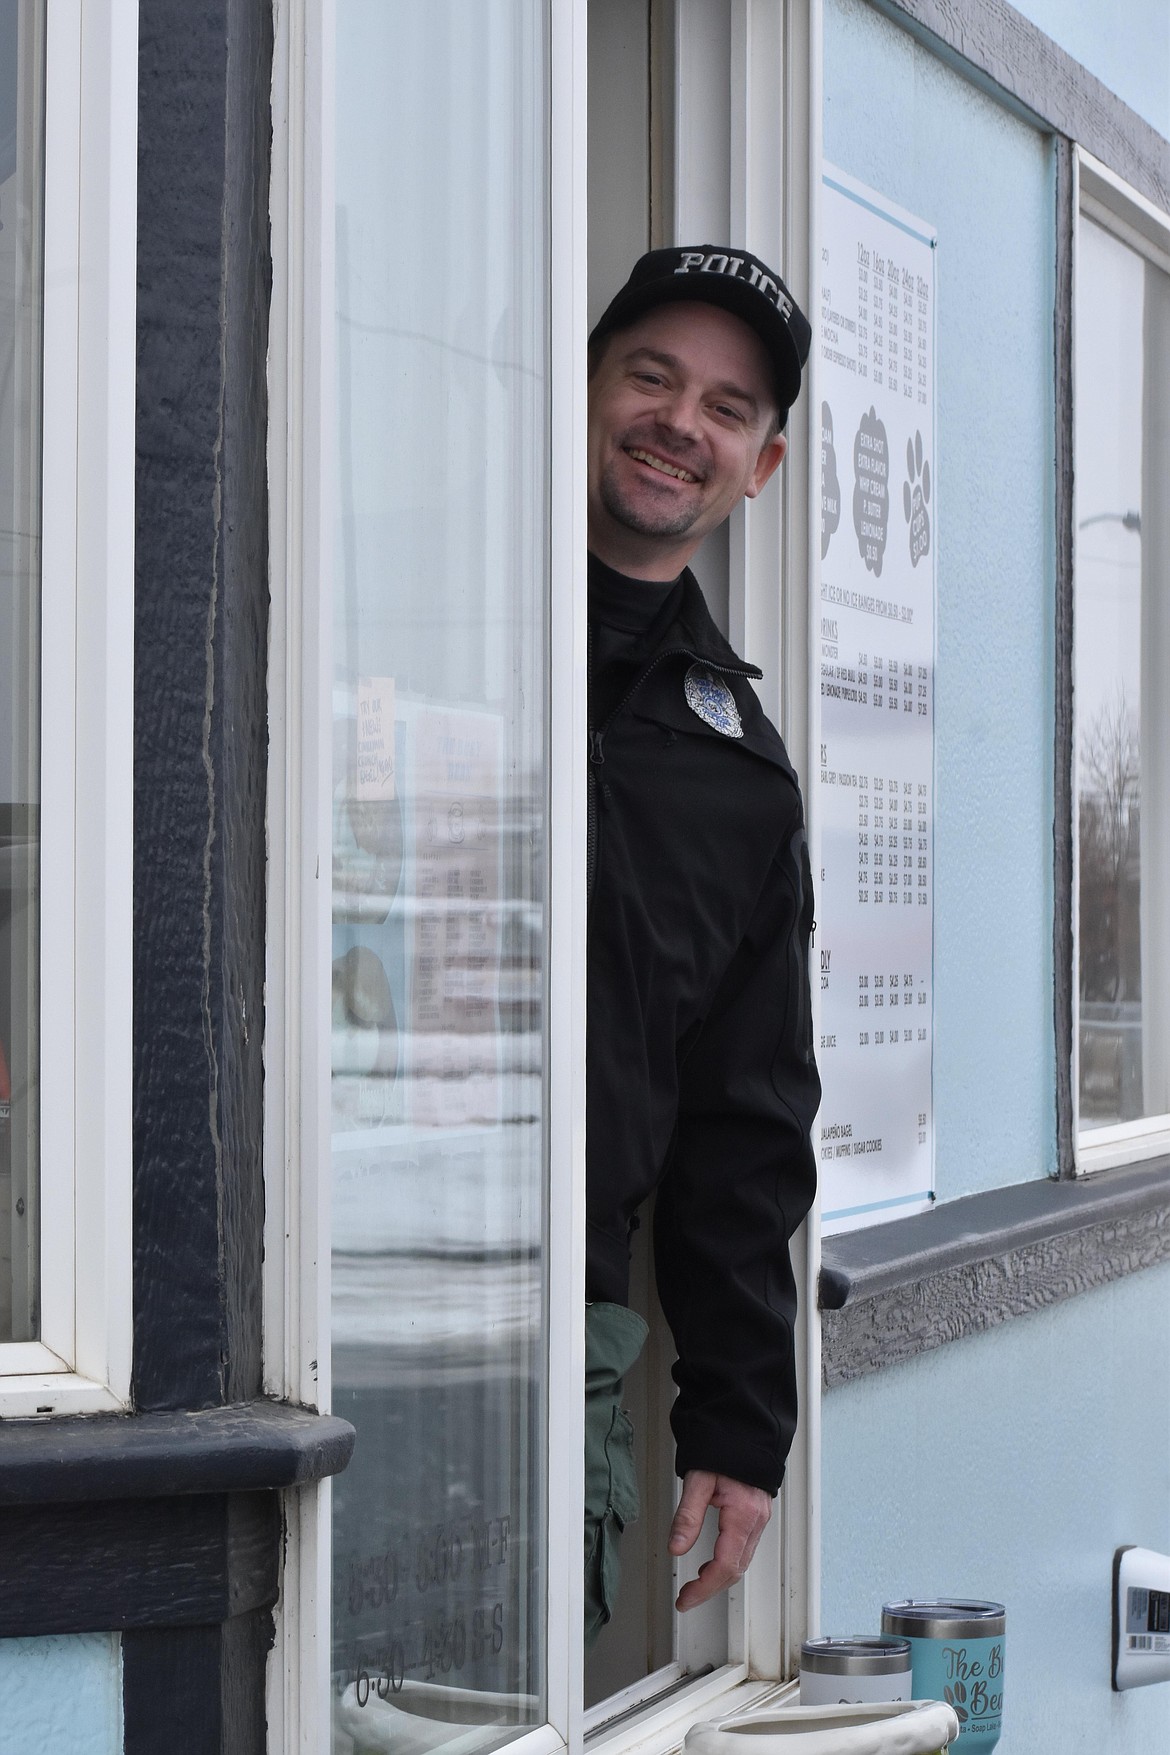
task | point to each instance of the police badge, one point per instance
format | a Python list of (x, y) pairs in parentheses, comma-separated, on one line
[(712, 701)]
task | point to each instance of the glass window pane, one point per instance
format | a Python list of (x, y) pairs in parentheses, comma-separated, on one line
[(21, 205), (1120, 301), (439, 1277)]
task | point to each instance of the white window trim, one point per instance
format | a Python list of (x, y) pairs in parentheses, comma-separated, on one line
[(567, 708), (297, 1147), (297, 985), (661, 1730), (82, 1362), (1101, 195)]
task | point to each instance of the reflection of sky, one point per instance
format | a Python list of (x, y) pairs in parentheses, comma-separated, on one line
[(19, 372), (9, 67), (441, 1317), (470, 1191), (1108, 471), (440, 350)]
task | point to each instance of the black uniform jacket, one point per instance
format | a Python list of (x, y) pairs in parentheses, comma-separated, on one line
[(701, 1077)]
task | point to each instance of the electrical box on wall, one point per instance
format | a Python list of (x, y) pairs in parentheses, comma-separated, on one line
[(1141, 1618)]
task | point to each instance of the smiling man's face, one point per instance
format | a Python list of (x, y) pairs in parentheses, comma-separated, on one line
[(681, 409)]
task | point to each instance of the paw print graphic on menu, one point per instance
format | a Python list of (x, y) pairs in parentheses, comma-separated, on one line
[(916, 499), (956, 1697)]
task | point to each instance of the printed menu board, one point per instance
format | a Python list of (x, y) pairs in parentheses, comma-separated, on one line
[(875, 670)]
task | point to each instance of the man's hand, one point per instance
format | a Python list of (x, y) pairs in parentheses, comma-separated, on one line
[(743, 1513)]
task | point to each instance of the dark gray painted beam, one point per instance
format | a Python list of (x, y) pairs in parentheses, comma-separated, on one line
[(956, 1233), (897, 1290), (180, 1562), (181, 1666), (188, 1690), (200, 770), (1063, 863), (200, 716), (1013, 55), (137, 1456)]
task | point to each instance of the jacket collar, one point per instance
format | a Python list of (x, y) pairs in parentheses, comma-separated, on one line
[(661, 698), (696, 630)]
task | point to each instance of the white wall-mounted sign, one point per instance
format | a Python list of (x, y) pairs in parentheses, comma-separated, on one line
[(875, 665)]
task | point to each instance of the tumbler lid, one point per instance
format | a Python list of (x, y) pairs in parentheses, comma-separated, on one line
[(957, 1619), (864, 1654)]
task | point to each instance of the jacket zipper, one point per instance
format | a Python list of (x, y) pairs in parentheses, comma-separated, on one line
[(591, 816)]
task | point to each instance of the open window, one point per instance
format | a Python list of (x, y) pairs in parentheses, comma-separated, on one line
[(699, 130), (425, 998), (1122, 647), (426, 906)]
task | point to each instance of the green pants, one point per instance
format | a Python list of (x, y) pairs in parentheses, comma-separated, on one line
[(614, 1336)]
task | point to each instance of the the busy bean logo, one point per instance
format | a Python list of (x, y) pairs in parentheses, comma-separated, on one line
[(974, 1686), (871, 491), (830, 485)]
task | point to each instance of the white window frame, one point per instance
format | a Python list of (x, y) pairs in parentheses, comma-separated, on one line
[(82, 1362), (775, 173), (297, 980), (1102, 196), (297, 1148)]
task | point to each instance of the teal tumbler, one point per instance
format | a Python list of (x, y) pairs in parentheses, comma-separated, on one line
[(956, 1654)]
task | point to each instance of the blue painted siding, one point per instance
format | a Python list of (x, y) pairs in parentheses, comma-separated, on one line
[(61, 1693), (903, 122), (1011, 1465)]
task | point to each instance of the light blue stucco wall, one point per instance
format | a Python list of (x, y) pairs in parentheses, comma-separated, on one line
[(62, 1693), (1127, 47), (911, 127), (1010, 1466)]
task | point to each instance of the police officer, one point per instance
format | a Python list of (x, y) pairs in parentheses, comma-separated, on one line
[(701, 1078)]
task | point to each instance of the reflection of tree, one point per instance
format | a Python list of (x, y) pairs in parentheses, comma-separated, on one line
[(1110, 857)]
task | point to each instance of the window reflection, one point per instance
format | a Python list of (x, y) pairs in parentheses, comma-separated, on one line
[(21, 203), (438, 874), (1121, 306)]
